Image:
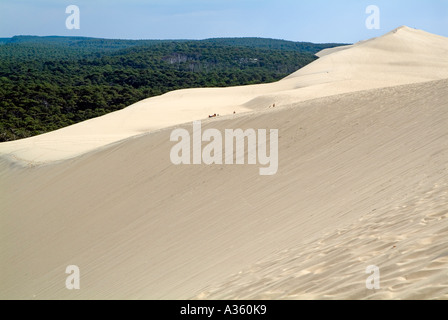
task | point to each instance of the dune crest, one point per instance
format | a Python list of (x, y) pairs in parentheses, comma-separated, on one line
[(402, 56)]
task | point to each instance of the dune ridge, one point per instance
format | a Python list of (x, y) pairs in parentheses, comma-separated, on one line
[(402, 56)]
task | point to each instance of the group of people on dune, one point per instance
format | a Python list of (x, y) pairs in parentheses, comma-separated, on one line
[(234, 112)]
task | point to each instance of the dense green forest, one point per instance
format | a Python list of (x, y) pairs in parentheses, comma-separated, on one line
[(50, 82)]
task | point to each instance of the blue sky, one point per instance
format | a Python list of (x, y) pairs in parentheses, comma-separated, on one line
[(313, 20)]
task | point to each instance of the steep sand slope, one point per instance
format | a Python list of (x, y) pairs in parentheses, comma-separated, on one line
[(402, 56), (362, 180)]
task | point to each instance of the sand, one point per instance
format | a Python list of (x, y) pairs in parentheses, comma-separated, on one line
[(362, 181)]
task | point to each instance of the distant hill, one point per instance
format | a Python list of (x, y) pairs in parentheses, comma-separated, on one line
[(117, 44), (273, 44), (50, 82)]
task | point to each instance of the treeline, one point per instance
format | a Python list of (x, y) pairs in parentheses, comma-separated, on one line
[(51, 82)]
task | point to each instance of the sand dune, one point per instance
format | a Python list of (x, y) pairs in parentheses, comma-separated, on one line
[(402, 56), (362, 181)]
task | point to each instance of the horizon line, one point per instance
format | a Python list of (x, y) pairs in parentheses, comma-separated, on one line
[(172, 39)]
